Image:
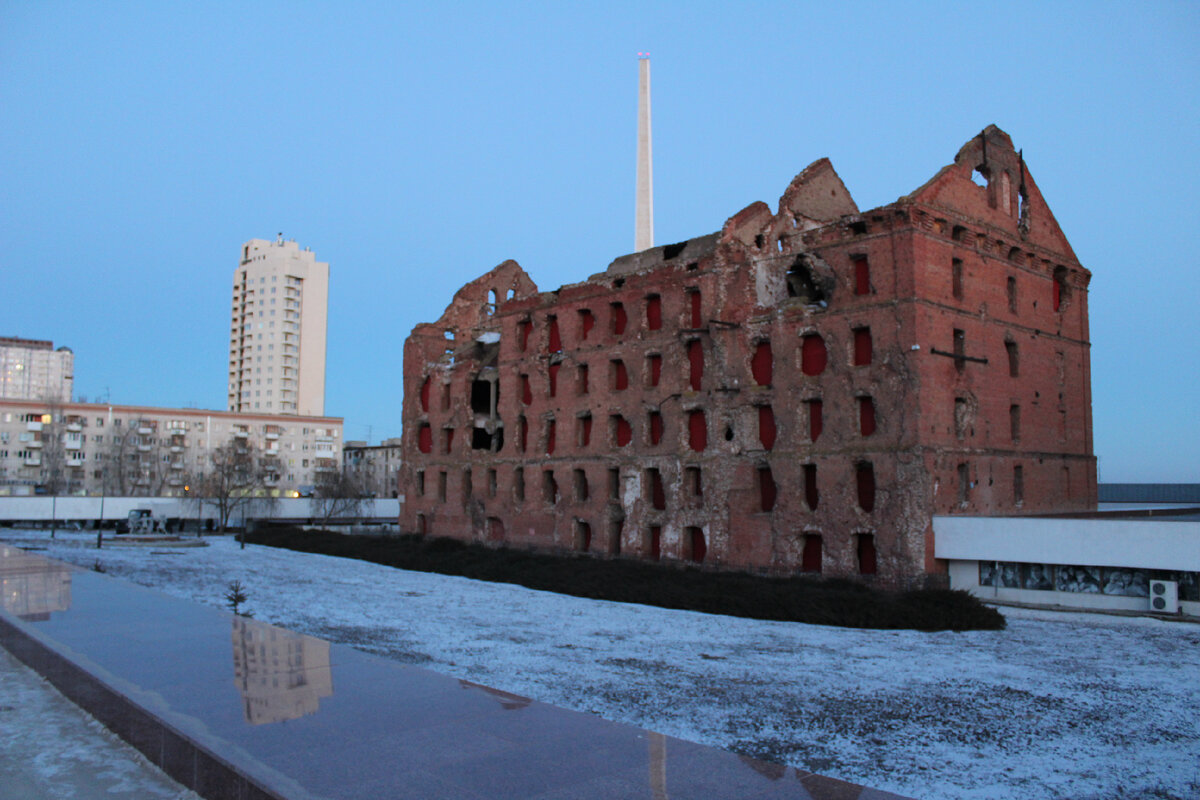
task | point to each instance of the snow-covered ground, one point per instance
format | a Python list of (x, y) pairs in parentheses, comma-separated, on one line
[(1059, 705)]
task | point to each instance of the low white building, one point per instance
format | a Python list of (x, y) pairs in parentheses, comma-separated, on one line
[(1129, 562), (94, 448)]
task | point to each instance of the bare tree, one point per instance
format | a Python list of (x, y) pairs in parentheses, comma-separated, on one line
[(337, 494), (234, 480), (121, 462), (53, 450)]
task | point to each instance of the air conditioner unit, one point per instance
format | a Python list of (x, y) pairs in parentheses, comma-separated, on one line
[(1164, 597)]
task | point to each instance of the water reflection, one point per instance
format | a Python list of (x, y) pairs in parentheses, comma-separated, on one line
[(31, 587), (282, 675), (507, 700)]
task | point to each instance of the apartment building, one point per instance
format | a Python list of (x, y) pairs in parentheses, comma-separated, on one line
[(98, 448), (376, 466), (32, 369), (277, 330)]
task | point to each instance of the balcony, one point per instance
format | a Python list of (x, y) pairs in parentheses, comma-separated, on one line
[(177, 448), (73, 444), (145, 430), (176, 465), (75, 427), (74, 462), (35, 444), (271, 435), (33, 461), (175, 480), (143, 448), (33, 426), (241, 434)]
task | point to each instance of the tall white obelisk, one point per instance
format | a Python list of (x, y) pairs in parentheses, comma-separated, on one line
[(643, 235)]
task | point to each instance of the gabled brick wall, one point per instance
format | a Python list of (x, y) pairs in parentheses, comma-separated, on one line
[(787, 394)]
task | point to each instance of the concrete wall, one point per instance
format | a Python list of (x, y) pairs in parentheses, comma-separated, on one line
[(66, 509)]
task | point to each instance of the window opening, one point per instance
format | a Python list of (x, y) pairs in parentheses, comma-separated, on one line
[(446, 396), (866, 415), (552, 376), (697, 431), (522, 433), (810, 560), (655, 544), (813, 357), (551, 431), (865, 480), (1060, 287), (656, 427), (653, 369), (1012, 294), (491, 482), (654, 312), (1014, 358), (587, 321), (761, 363), (441, 488), (425, 394), (1018, 484), (619, 376), (964, 484), (956, 269), (526, 390), (618, 318), (467, 488), (583, 536), (960, 350), (614, 536), (693, 482), (1014, 422), (811, 495), (585, 430), (766, 489), (420, 483), (493, 301), (425, 439), (865, 550), (694, 303), (862, 276), (581, 485), (862, 347), (549, 487), (582, 379), (697, 548), (524, 328), (519, 483), (766, 427), (654, 486), (695, 353), (448, 438), (554, 343), (614, 483), (621, 431), (495, 529), (815, 419)]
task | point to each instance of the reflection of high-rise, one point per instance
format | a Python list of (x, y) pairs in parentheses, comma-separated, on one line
[(282, 675), (31, 586)]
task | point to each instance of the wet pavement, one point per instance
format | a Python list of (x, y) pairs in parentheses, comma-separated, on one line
[(233, 707)]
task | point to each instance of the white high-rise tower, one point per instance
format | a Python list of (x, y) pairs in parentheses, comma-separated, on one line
[(277, 337), (643, 235)]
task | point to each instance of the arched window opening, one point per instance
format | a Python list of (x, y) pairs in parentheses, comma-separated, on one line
[(865, 552), (811, 494), (766, 489), (697, 431), (810, 560), (697, 547), (813, 356), (695, 352)]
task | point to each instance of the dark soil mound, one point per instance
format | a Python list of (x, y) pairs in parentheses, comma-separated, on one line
[(796, 599)]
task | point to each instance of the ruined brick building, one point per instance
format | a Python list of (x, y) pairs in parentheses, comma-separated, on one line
[(801, 391)]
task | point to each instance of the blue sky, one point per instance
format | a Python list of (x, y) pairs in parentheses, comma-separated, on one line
[(414, 147)]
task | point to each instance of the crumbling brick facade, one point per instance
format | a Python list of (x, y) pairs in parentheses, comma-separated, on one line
[(800, 391)]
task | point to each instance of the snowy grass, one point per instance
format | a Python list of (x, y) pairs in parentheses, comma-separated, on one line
[(1057, 706)]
